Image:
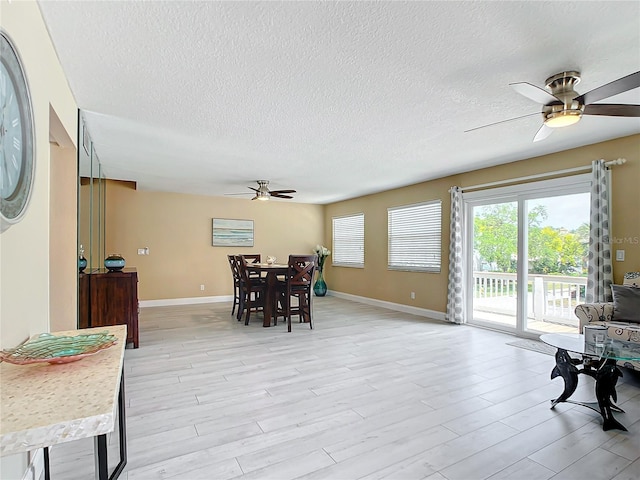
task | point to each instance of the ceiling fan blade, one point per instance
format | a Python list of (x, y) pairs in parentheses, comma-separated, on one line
[(612, 110), (502, 121), (534, 93), (255, 198), (543, 133), (610, 89), (281, 191), (254, 189), (279, 195)]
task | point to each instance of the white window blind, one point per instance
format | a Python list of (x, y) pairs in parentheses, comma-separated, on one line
[(348, 241), (415, 237)]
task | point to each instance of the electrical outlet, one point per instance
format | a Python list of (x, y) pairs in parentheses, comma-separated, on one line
[(413, 295), (620, 255), (202, 287)]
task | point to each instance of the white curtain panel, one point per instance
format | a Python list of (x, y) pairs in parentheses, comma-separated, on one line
[(455, 296), (600, 270)]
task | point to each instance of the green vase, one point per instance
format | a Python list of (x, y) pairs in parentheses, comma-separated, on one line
[(320, 287)]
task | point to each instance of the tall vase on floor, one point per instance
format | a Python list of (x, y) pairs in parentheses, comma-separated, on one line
[(320, 287)]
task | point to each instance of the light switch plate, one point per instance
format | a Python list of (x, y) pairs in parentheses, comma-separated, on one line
[(620, 255)]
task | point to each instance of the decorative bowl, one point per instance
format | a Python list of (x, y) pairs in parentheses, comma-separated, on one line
[(114, 262), (47, 348)]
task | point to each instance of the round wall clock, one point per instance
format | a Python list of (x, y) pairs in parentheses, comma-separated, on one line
[(17, 146)]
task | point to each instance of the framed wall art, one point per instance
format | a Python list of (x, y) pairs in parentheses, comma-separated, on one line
[(232, 233)]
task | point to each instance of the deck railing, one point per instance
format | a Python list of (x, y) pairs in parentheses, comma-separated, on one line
[(551, 298)]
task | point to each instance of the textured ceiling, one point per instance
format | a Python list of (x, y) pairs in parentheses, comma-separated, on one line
[(333, 99)]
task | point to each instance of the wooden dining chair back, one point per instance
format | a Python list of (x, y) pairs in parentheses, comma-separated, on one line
[(253, 258), (253, 290), (237, 281), (299, 282)]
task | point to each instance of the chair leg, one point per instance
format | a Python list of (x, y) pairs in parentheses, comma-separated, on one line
[(282, 299), (241, 305), (235, 296), (247, 303), (288, 310), (303, 305)]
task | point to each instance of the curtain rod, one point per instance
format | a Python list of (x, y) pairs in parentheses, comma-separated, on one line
[(618, 161)]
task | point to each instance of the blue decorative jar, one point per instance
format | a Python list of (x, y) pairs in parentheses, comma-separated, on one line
[(114, 262), (82, 263)]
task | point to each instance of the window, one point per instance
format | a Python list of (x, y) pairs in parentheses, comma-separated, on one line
[(348, 241), (415, 237)]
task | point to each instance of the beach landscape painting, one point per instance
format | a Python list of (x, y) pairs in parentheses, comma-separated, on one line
[(232, 233)]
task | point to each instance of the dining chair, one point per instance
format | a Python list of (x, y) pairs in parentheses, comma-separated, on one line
[(298, 284), (237, 285), (253, 290), (253, 258)]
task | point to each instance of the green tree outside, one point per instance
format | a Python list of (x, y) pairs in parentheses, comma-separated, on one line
[(551, 250)]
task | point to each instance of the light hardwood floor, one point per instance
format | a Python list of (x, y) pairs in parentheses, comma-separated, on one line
[(369, 393)]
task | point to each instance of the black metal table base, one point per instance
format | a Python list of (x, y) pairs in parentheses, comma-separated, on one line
[(100, 445), (606, 376)]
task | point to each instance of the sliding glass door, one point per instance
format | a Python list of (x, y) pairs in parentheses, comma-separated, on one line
[(495, 256), (527, 265)]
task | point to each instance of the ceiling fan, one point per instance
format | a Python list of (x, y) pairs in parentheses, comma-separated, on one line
[(263, 192), (563, 106)]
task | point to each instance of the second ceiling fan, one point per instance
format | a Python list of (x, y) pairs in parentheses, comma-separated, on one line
[(263, 192), (563, 106)]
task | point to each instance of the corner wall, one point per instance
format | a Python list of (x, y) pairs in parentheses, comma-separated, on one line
[(377, 282)]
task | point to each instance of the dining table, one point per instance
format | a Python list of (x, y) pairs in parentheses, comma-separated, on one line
[(271, 270)]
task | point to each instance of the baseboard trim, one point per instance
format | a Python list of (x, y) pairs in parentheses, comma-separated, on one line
[(423, 312), (165, 302)]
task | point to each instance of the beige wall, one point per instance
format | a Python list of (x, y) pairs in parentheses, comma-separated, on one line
[(63, 273), (375, 281), (177, 230), (25, 247)]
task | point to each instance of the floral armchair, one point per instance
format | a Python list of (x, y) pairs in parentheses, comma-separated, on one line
[(605, 314)]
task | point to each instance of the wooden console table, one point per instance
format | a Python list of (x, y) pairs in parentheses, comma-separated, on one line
[(44, 405)]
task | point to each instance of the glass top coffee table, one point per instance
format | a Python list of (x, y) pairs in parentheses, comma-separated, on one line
[(599, 362)]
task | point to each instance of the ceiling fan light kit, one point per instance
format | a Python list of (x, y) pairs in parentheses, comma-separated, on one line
[(569, 112), (563, 118), (562, 106)]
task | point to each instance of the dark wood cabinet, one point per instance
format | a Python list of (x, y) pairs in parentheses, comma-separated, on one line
[(110, 298)]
